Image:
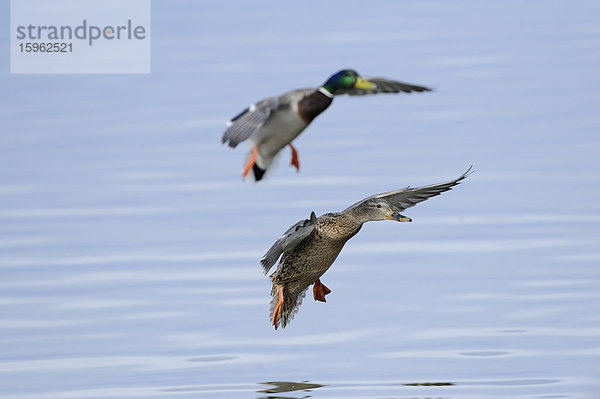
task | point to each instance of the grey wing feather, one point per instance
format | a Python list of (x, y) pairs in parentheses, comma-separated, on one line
[(383, 85), (243, 125), (407, 197), (404, 198), (292, 237)]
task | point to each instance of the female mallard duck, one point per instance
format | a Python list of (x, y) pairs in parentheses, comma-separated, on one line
[(273, 123), (311, 246)]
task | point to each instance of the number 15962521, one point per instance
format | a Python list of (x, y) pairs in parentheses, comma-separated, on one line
[(46, 47)]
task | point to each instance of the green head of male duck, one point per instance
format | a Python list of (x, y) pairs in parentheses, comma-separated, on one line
[(347, 79)]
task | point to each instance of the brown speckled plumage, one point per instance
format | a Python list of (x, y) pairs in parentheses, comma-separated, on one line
[(310, 247), (304, 264)]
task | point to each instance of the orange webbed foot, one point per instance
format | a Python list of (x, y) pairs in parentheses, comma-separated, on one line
[(319, 291), (295, 161), (278, 307), (250, 162)]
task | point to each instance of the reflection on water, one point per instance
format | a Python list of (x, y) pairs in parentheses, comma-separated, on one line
[(338, 388), (306, 389), (283, 386), (429, 384)]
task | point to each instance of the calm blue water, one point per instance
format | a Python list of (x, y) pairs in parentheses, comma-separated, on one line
[(129, 245)]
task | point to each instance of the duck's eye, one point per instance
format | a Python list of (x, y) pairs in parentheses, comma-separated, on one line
[(378, 205)]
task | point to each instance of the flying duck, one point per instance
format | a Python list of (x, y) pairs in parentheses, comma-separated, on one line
[(273, 123), (310, 247)]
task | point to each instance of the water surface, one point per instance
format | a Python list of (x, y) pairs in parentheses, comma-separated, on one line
[(129, 245)]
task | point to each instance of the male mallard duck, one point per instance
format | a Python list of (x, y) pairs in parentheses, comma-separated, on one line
[(311, 246), (275, 122)]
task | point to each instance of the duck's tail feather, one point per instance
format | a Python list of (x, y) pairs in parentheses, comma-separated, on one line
[(262, 165), (292, 299), (258, 172)]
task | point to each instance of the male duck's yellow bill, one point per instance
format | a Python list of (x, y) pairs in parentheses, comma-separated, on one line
[(364, 84)]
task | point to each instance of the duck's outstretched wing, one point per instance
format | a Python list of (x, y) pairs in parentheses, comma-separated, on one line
[(383, 85), (241, 126), (292, 237), (404, 198)]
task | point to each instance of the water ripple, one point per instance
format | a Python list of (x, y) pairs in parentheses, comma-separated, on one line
[(57, 323), (23, 241), (225, 274), (6, 189), (83, 212), (467, 246), (448, 333), (456, 354), (203, 340), (144, 257)]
